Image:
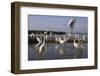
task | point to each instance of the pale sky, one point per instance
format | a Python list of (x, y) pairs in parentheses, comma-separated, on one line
[(57, 23)]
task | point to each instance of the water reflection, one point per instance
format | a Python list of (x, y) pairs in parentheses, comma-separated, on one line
[(57, 51)]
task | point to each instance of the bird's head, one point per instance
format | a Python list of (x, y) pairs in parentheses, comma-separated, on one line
[(45, 33)]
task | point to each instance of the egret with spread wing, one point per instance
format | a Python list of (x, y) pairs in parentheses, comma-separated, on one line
[(71, 25)]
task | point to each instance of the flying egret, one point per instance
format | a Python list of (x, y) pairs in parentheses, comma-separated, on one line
[(71, 24)]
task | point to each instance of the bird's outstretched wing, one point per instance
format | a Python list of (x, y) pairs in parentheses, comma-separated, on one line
[(71, 23)]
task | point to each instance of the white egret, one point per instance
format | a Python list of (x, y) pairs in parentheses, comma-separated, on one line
[(39, 42), (78, 46), (77, 43), (61, 41), (43, 43), (71, 24), (32, 35), (46, 36), (84, 37)]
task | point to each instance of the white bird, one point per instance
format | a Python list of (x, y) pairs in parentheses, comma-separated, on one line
[(56, 40), (43, 43), (61, 51), (78, 46), (46, 36), (71, 24), (39, 42), (84, 37), (77, 43), (65, 38), (32, 35)]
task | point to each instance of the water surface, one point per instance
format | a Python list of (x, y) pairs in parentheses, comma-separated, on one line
[(57, 51)]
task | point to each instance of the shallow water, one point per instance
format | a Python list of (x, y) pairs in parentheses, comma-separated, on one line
[(57, 51)]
